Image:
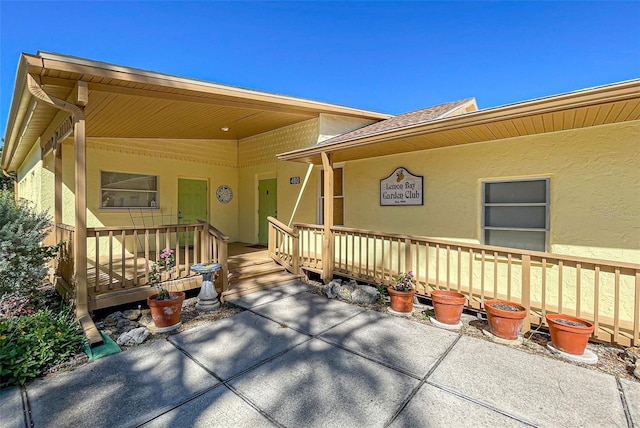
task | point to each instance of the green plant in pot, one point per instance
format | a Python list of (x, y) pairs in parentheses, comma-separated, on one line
[(165, 305), (401, 294)]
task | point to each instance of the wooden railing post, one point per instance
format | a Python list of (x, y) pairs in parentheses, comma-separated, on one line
[(636, 311), (223, 260), (526, 290), (408, 259), (295, 252), (272, 240), (327, 243)]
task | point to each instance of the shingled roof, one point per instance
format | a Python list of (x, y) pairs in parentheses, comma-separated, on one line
[(403, 121)]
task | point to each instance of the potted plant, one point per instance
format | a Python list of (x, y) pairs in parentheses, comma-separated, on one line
[(448, 306), (569, 334), (165, 306), (401, 294), (505, 318)]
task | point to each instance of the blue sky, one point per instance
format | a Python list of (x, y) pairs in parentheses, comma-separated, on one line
[(382, 56)]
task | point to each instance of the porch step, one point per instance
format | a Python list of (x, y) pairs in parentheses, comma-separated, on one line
[(251, 285), (253, 271), (251, 265)]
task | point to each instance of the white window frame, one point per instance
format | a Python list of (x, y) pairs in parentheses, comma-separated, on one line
[(546, 204), (156, 192), (320, 197)]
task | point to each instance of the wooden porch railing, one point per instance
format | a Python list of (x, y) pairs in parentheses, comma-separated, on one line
[(118, 270), (604, 292), (64, 263), (284, 245), (217, 245)]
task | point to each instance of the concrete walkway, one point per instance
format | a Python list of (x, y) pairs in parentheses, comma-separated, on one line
[(296, 359)]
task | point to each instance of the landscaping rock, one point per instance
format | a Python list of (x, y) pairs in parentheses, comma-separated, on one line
[(636, 372), (344, 291), (327, 289), (351, 291), (122, 323), (365, 294), (133, 337), (112, 320), (131, 314), (145, 320), (632, 354)]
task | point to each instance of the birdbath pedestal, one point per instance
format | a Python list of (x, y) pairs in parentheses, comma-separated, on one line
[(208, 297)]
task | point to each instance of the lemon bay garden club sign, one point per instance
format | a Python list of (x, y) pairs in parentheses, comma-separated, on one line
[(402, 188)]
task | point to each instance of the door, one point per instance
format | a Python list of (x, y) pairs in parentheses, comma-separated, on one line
[(267, 206), (192, 203)]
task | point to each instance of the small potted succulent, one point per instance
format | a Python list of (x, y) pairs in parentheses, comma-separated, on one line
[(165, 306), (401, 294)]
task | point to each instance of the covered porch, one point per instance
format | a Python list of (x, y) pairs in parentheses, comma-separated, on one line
[(603, 291)]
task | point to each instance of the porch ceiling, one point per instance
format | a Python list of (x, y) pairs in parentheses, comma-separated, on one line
[(126, 102), (598, 106)]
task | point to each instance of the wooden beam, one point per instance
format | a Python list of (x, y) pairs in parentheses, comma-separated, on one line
[(327, 242), (57, 172), (80, 241), (81, 93)]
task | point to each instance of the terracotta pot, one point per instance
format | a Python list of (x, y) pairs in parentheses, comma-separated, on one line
[(401, 301), (502, 323), (571, 339), (166, 313), (448, 306)]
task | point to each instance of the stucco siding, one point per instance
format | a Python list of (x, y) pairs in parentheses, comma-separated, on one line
[(30, 179), (332, 125), (258, 161), (594, 186)]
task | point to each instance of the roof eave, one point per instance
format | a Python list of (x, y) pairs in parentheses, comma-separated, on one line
[(25, 65), (621, 90), (103, 69)]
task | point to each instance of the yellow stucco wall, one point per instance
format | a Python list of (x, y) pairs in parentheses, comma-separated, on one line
[(331, 125), (257, 156), (30, 180), (594, 205), (594, 180)]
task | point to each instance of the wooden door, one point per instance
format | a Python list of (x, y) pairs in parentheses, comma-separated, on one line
[(192, 203), (268, 206)]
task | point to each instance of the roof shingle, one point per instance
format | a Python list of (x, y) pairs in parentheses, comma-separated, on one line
[(401, 121)]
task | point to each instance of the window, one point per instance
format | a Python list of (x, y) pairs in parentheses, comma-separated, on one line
[(338, 197), (124, 190), (516, 213)]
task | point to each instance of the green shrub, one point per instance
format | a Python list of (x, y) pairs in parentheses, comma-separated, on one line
[(22, 257), (30, 344)]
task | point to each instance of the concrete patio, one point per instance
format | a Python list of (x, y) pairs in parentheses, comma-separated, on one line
[(296, 359)]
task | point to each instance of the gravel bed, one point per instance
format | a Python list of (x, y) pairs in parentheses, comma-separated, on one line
[(611, 359)]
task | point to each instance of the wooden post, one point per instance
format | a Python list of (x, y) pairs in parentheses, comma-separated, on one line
[(57, 156), (327, 242), (408, 259), (271, 240), (80, 242), (223, 260), (295, 252), (526, 291)]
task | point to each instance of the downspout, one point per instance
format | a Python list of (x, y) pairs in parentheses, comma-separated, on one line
[(80, 241)]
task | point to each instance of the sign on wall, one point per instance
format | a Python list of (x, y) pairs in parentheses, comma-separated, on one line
[(402, 188), (294, 180)]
